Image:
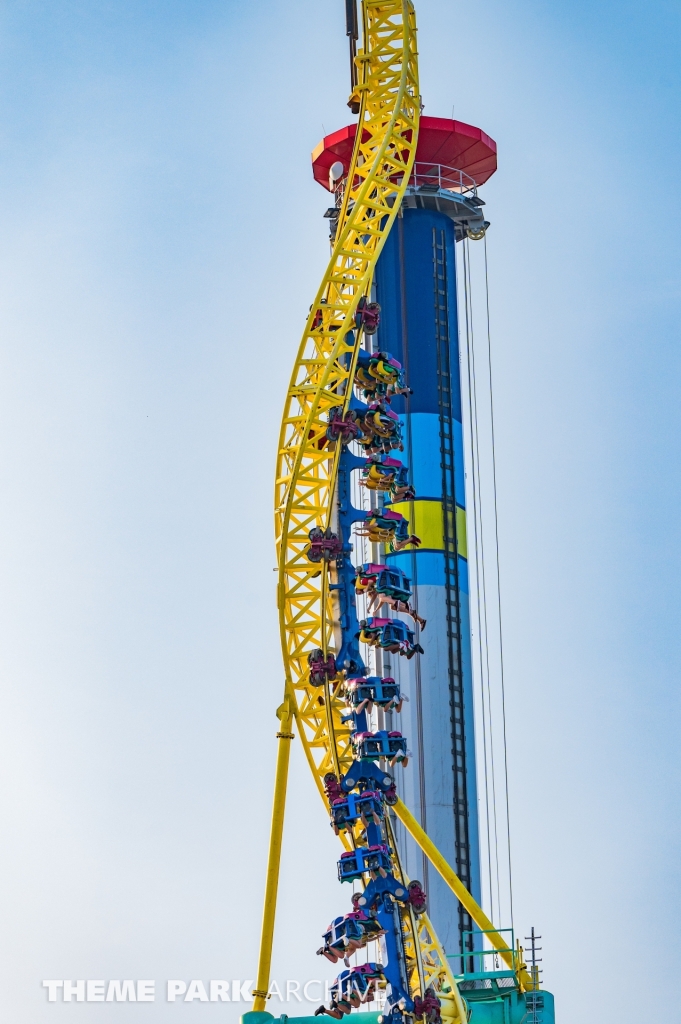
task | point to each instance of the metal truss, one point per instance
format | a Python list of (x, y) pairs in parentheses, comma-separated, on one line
[(382, 162)]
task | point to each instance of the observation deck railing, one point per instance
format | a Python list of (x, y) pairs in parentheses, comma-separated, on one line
[(429, 178)]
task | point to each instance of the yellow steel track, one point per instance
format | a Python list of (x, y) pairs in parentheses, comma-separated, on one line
[(385, 147)]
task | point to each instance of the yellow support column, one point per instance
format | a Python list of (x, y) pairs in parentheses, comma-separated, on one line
[(285, 716)]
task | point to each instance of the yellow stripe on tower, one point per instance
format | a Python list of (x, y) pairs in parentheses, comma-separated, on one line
[(427, 522), (461, 534)]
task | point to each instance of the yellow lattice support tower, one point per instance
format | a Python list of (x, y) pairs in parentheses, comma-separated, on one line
[(383, 157)]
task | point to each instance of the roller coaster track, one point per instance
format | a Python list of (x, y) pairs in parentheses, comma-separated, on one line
[(382, 161), (308, 463)]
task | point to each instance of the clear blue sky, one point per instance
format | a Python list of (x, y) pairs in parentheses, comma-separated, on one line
[(161, 243)]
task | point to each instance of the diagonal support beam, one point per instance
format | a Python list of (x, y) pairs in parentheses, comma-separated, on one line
[(461, 892)]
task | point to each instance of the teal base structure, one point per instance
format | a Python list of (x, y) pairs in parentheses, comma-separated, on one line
[(494, 998), (263, 1017)]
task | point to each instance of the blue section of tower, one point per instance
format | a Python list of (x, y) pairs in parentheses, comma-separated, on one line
[(439, 784), (415, 284)]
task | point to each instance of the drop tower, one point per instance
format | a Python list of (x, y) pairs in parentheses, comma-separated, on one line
[(416, 286), (372, 591)]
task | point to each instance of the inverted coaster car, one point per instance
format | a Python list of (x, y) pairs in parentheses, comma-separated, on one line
[(356, 986), (371, 860), (390, 635), (386, 585), (382, 526), (380, 375), (374, 578), (347, 934), (383, 473), (371, 746), (362, 693), (348, 809), (381, 429), (352, 988)]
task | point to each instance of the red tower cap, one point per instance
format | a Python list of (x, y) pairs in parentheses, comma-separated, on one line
[(441, 141)]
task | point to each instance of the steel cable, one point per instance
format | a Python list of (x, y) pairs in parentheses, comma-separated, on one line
[(498, 573)]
